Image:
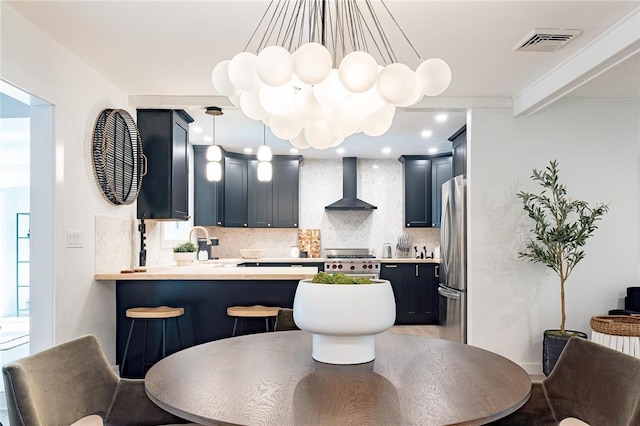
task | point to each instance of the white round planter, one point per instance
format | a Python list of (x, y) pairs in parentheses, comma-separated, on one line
[(184, 258), (344, 318)]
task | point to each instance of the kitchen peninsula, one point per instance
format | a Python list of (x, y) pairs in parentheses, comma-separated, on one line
[(205, 291)]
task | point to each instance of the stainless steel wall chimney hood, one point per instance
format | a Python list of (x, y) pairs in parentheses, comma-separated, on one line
[(349, 200)]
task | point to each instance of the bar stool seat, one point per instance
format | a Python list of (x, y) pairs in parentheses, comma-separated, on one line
[(151, 313), (255, 311)]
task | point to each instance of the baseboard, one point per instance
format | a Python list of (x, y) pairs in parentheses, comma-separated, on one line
[(532, 368)]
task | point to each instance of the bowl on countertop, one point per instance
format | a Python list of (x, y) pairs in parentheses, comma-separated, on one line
[(251, 253)]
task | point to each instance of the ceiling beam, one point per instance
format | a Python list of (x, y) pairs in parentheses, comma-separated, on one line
[(618, 43)]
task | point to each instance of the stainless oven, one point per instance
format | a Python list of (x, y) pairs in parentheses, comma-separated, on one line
[(352, 262)]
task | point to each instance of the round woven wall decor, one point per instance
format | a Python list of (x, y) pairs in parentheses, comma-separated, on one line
[(118, 161)]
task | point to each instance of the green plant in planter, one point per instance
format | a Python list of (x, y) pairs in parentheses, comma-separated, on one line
[(561, 227), (324, 278), (186, 247)]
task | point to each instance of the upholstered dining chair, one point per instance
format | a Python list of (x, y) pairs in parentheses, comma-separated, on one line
[(284, 320), (73, 384), (590, 384)]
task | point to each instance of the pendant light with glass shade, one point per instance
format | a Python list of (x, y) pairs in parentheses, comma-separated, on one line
[(265, 170), (214, 153)]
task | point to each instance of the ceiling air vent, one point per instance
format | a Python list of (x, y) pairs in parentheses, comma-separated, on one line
[(545, 40)]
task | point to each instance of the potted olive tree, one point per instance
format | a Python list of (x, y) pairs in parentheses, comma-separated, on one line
[(561, 226), (184, 253)]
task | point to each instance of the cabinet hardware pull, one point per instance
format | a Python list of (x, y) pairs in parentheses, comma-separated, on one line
[(391, 266), (268, 224), (145, 165), (437, 271), (408, 224), (296, 266), (244, 224), (416, 270), (219, 223)]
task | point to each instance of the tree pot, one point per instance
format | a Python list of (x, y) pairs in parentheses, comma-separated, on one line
[(552, 347)]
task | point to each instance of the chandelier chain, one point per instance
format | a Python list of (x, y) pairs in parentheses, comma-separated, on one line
[(400, 28)]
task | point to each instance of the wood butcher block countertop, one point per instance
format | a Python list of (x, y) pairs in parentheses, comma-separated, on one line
[(213, 271)]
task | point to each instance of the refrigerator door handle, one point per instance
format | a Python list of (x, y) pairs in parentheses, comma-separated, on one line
[(446, 233), (448, 293)]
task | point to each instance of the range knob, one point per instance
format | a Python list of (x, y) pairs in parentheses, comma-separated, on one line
[(353, 267), (334, 266), (340, 266)]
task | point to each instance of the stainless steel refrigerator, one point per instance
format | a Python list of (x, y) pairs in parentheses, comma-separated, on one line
[(452, 291)]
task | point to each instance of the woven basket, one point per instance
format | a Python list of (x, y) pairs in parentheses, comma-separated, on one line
[(617, 325)]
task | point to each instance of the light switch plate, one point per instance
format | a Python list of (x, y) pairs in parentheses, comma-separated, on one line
[(75, 239)]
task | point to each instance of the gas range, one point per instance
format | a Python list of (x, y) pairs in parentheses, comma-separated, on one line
[(352, 261)]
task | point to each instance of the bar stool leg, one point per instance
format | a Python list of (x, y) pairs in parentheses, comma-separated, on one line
[(235, 323), (266, 323), (164, 338), (179, 334), (144, 346), (126, 347)]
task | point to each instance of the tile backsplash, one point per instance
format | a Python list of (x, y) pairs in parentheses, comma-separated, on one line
[(379, 183)]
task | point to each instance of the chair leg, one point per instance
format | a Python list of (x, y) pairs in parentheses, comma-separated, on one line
[(235, 323), (266, 323), (126, 347)]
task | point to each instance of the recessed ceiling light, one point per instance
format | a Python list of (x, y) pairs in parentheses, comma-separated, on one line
[(433, 150), (375, 166), (196, 129), (207, 139), (248, 150), (340, 151), (386, 150), (293, 150), (426, 133), (441, 117)]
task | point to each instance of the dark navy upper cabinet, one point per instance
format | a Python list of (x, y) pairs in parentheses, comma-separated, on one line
[(165, 187), (274, 204), (209, 200), (235, 192), (423, 178), (459, 149)]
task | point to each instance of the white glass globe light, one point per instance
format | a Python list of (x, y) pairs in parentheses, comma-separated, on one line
[(379, 122), (276, 100), (434, 75), (330, 92), (250, 105), (300, 141), (214, 153), (396, 83), (214, 171), (264, 153), (242, 71), (235, 99), (264, 171), (306, 106), (358, 71), (274, 66), (311, 63), (221, 81), (369, 101), (286, 126), (343, 120), (417, 94), (318, 135)]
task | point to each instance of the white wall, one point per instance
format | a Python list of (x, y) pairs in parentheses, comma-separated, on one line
[(511, 301), (34, 62)]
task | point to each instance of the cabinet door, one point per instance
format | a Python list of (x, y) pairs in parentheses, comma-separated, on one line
[(235, 192), (441, 169), (205, 193), (421, 304), (165, 188), (415, 291), (417, 185), (459, 149), (260, 202), (285, 193)]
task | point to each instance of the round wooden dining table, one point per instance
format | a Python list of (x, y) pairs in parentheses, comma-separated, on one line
[(271, 379)]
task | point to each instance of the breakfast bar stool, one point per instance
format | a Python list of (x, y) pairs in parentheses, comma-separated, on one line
[(255, 311), (146, 314)]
